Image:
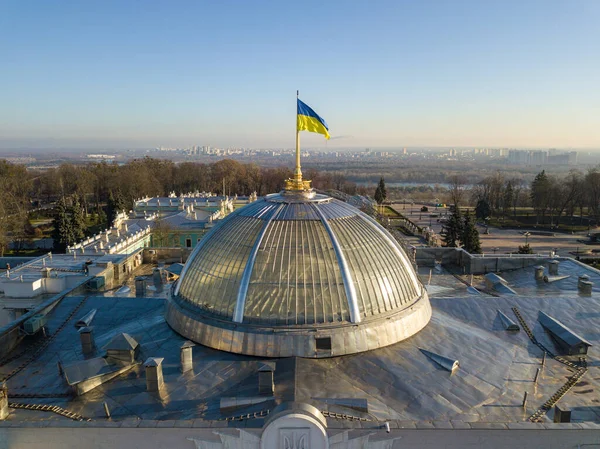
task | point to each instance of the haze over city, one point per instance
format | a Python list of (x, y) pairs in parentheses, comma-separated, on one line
[(385, 74)]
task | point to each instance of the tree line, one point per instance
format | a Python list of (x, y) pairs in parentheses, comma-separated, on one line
[(91, 194), (97, 191), (550, 196)]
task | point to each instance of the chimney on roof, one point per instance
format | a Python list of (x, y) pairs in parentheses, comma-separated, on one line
[(584, 285), (265, 378), (154, 374), (157, 280), (539, 273), (561, 415), (123, 348), (140, 286), (87, 340), (186, 356), (3, 401)]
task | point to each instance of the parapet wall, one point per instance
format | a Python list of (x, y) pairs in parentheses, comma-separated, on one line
[(166, 255), (475, 263), (14, 261), (190, 434)]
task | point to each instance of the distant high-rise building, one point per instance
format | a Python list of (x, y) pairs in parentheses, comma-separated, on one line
[(518, 157), (569, 158), (538, 157), (572, 158)]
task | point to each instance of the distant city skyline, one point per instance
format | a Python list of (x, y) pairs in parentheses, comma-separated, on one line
[(386, 74)]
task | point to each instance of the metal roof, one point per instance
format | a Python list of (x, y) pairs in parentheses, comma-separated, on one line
[(175, 268), (397, 382), (122, 342), (88, 369), (561, 331)]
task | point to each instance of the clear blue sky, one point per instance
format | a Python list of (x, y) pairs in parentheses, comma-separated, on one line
[(225, 73)]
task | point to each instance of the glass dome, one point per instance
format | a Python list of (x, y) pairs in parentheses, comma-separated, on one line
[(292, 262)]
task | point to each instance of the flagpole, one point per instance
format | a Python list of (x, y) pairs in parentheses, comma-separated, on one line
[(298, 171)]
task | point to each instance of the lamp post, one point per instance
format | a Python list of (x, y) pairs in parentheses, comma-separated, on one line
[(526, 234)]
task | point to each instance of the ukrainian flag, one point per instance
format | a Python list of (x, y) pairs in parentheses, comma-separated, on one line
[(308, 120)]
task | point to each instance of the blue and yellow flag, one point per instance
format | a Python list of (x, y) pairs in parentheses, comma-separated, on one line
[(308, 120)]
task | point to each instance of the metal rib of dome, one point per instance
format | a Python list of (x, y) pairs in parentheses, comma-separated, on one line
[(290, 263)]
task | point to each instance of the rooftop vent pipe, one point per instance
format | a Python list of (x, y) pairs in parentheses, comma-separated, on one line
[(444, 362), (3, 401), (154, 374), (186, 356), (507, 323), (539, 273), (266, 384), (87, 340)]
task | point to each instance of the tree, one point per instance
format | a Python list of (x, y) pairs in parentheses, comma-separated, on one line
[(568, 190), (116, 203), (483, 209), (458, 185), (470, 236), (63, 227), (525, 249), (509, 194), (161, 232), (517, 185), (15, 193), (101, 217), (452, 229), (541, 193), (490, 189), (592, 187), (78, 223), (21, 231), (380, 191)]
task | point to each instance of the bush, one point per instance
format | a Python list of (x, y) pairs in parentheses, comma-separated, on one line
[(525, 249)]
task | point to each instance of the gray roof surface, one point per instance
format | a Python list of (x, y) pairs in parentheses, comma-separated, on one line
[(182, 221), (175, 268), (399, 382), (86, 369), (561, 331), (122, 342)]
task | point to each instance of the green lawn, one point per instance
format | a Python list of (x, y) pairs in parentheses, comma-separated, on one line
[(529, 220), (389, 212)]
